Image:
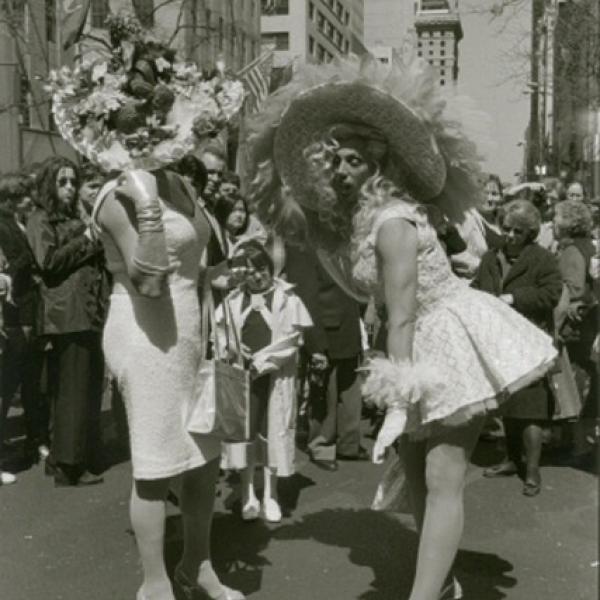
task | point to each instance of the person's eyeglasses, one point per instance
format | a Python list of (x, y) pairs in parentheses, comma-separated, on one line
[(63, 181)]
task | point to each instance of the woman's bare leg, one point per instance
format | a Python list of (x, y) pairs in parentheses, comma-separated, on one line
[(197, 503), (446, 464), (148, 513)]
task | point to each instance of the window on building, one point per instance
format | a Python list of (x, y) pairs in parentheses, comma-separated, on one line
[(311, 11), (221, 35), (207, 21), (275, 7), (320, 53), (431, 53), (419, 53), (339, 10), (346, 18), (442, 72), (24, 101), (442, 43), (51, 20), (51, 122), (442, 53), (100, 10), (339, 39), (384, 59), (431, 42), (279, 39), (346, 46), (144, 10), (321, 20), (442, 62), (425, 34), (311, 45), (420, 44), (442, 82), (330, 31)]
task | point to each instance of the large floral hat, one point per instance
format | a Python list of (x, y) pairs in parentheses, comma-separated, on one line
[(138, 107)]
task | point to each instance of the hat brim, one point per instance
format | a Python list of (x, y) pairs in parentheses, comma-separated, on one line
[(413, 162), (109, 152)]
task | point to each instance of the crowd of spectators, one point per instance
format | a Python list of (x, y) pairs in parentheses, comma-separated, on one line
[(542, 243)]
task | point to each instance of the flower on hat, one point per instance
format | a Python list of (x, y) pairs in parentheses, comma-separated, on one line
[(138, 108)]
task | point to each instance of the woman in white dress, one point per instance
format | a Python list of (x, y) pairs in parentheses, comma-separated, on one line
[(136, 117), (352, 150)]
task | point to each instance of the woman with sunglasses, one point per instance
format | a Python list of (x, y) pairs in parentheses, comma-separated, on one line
[(73, 296), (527, 277)]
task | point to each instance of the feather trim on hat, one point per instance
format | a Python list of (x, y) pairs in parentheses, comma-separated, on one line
[(456, 125)]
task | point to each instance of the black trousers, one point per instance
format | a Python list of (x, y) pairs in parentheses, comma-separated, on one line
[(22, 363), (78, 366), (335, 413)]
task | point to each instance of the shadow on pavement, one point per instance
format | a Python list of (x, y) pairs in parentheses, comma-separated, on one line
[(379, 541), (236, 549)]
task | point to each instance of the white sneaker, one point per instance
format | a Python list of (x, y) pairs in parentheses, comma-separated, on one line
[(272, 510), (43, 451), (251, 510), (7, 478)]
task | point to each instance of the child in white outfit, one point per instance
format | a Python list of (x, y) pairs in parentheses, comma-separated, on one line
[(269, 319)]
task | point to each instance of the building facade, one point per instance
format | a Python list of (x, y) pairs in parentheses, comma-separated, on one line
[(312, 30), (438, 33), (30, 47)]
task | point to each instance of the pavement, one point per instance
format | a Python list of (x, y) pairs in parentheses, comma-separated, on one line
[(76, 543)]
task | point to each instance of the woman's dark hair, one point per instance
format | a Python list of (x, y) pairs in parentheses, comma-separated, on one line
[(231, 177), (224, 207), (256, 255), (192, 167), (493, 178), (89, 172), (47, 198), (14, 186)]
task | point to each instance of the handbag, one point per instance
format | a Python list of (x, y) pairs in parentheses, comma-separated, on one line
[(222, 387), (567, 401)]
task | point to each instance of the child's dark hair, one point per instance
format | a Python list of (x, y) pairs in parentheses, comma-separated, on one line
[(256, 255), (89, 172)]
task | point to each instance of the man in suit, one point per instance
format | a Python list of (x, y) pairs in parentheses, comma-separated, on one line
[(334, 345)]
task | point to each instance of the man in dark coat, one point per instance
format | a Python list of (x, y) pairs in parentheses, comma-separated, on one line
[(22, 361), (335, 343)]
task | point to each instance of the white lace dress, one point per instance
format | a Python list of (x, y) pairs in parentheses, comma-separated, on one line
[(479, 348)]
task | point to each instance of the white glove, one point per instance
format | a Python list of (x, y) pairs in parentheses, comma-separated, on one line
[(393, 426)]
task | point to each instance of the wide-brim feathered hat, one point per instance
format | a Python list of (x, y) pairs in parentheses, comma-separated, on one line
[(411, 148), (135, 106), (431, 135)]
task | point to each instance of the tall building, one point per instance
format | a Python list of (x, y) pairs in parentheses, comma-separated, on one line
[(203, 31), (30, 46), (438, 33), (312, 30)]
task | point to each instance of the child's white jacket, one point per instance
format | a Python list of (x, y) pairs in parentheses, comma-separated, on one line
[(288, 318)]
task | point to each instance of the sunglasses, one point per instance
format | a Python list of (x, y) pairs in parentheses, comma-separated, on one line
[(63, 181)]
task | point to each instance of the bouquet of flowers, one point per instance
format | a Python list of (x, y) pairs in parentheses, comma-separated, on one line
[(138, 107)]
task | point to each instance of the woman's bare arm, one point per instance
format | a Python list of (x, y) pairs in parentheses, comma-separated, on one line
[(117, 217), (397, 249)]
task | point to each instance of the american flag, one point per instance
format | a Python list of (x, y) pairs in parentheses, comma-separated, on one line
[(257, 79)]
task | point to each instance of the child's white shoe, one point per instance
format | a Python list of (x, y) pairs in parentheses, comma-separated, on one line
[(7, 478), (251, 510), (272, 510)]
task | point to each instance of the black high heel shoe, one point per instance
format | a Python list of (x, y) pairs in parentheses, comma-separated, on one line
[(452, 591)]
